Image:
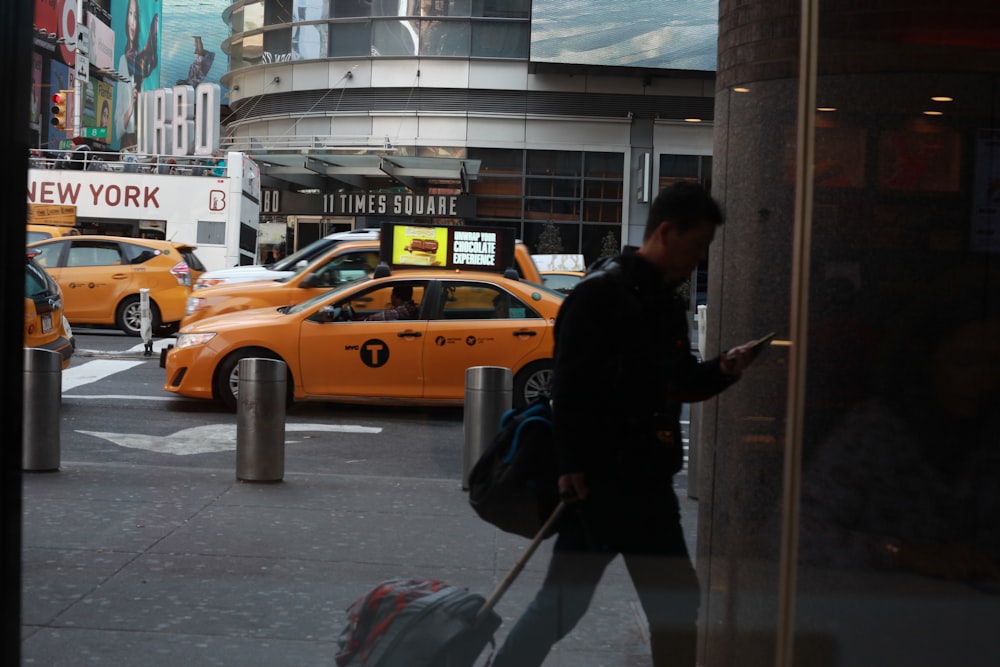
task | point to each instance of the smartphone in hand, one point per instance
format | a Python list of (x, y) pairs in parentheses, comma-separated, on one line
[(759, 344)]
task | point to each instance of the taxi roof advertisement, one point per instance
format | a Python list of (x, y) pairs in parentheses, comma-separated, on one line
[(447, 246)]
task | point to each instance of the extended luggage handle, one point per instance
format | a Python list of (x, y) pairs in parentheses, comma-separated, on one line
[(495, 596)]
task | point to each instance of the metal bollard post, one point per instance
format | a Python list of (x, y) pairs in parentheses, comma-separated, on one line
[(488, 395), (40, 449), (145, 321), (260, 420)]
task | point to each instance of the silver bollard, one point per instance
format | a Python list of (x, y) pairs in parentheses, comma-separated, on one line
[(145, 322), (488, 395), (260, 420), (40, 449)]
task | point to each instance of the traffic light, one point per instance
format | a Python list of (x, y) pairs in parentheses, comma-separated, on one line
[(60, 107)]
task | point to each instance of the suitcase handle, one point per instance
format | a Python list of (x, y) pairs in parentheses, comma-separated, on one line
[(495, 596)]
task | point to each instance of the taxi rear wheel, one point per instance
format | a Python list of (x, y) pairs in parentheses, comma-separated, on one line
[(533, 380), (128, 317), (226, 383)]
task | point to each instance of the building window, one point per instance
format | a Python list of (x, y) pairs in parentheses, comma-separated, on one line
[(350, 8), (350, 39), (569, 200), (310, 42), (277, 45), (277, 12), (444, 38), (508, 9), (395, 8), (395, 38), (491, 39), (445, 7), (310, 10), (695, 168), (253, 17)]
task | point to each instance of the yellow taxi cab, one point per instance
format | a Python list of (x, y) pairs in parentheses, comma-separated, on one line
[(42, 232), (45, 326), (345, 262), (101, 278), (562, 281), (335, 352)]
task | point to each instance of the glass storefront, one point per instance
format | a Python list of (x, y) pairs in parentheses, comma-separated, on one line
[(849, 511)]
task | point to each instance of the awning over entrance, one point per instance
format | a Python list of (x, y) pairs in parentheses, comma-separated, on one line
[(331, 171)]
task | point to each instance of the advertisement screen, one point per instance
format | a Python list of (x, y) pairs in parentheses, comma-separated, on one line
[(662, 34), (447, 247)]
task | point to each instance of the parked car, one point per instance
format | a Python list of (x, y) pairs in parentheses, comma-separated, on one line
[(45, 325), (562, 281), (334, 353), (287, 266), (101, 278)]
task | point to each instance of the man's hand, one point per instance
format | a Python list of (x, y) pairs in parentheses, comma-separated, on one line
[(736, 360), (572, 487)]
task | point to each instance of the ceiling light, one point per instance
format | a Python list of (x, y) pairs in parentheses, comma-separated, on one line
[(741, 89), (826, 108), (692, 120), (933, 113), (943, 98)]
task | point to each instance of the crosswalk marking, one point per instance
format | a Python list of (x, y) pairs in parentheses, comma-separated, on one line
[(92, 371)]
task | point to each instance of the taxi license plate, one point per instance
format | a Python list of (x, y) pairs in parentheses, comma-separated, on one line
[(46, 323)]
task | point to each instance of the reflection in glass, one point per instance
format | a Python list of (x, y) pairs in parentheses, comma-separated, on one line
[(309, 42), (253, 16), (395, 7), (277, 46), (444, 38), (445, 7), (395, 38)]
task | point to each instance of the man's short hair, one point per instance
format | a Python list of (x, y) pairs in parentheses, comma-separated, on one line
[(685, 205), (404, 292)]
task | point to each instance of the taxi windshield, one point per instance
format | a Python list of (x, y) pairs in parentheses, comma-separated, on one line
[(309, 303)]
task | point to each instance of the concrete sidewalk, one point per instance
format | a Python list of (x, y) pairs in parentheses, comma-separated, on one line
[(127, 565)]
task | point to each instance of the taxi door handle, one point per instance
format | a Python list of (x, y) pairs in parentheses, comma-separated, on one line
[(119, 276), (525, 333), (409, 334)]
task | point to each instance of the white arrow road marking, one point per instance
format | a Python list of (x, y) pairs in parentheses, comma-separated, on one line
[(92, 371), (210, 438)]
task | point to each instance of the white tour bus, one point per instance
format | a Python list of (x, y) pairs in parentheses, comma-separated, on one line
[(189, 199)]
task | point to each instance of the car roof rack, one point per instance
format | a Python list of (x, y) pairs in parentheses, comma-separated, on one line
[(382, 270), (511, 273)]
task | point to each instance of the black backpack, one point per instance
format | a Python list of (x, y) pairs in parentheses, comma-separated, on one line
[(514, 484)]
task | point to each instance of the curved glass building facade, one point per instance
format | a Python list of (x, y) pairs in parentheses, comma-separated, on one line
[(335, 96)]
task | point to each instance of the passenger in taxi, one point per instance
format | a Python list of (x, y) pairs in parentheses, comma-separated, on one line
[(403, 306)]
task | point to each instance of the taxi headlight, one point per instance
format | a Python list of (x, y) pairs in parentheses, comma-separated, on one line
[(193, 303), (208, 282), (192, 339)]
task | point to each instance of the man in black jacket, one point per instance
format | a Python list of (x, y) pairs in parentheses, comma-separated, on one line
[(623, 366)]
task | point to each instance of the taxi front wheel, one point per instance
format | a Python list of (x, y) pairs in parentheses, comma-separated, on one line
[(533, 380), (226, 383), (129, 316)]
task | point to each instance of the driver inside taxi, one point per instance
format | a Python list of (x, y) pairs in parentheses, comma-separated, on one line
[(402, 308)]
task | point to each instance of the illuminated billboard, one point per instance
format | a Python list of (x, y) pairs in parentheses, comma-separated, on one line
[(660, 34)]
